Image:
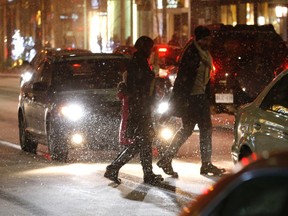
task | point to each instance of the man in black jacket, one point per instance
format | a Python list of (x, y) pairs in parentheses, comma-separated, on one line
[(190, 101), (140, 88)]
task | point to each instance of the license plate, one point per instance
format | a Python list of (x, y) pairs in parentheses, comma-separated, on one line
[(224, 98)]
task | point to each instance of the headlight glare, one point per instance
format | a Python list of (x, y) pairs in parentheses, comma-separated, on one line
[(166, 133), (73, 112), (163, 107)]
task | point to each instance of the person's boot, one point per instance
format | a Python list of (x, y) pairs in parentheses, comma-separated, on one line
[(146, 162), (166, 161), (210, 169), (112, 174), (167, 167), (113, 169), (153, 179)]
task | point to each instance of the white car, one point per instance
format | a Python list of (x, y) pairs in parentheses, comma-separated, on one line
[(262, 126)]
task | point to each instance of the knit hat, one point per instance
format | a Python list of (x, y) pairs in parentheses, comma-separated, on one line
[(201, 32)]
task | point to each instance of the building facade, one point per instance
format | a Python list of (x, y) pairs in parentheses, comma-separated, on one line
[(100, 25)]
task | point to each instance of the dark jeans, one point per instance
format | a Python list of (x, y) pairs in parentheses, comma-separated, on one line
[(198, 112), (143, 137)]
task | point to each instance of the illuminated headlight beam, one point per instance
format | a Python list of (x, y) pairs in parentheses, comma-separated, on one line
[(163, 107), (73, 112), (166, 133)]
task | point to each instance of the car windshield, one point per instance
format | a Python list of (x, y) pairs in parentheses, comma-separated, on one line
[(88, 74)]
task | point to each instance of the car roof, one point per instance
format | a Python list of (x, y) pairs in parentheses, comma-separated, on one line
[(60, 57), (66, 51)]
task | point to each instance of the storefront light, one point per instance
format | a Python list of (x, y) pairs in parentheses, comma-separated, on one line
[(261, 20), (281, 11)]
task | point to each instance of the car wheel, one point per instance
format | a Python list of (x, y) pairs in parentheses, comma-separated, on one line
[(56, 144), (26, 142)]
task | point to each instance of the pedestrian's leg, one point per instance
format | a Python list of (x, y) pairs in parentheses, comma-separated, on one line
[(146, 162), (178, 140), (205, 128), (123, 157)]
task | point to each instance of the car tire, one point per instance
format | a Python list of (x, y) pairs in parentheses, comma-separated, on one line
[(26, 142), (56, 144)]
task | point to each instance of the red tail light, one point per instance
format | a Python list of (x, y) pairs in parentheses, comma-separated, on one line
[(76, 65), (162, 51)]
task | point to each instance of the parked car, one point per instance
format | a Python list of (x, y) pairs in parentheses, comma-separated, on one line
[(69, 101), (257, 187), (246, 59), (262, 126)]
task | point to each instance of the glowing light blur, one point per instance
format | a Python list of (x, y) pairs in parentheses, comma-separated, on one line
[(73, 112), (72, 169), (166, 133), (163, 73), (26, 77), (163, 107), (77, 139)]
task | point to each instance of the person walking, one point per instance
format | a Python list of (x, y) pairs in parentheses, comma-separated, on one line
[(140, 88), (190, 101)]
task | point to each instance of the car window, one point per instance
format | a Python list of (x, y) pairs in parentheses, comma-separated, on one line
[(46, 73), (89, 74), (262, 196), (277, 98), (38, 72), (37, 59)]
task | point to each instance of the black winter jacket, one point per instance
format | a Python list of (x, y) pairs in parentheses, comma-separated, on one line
[(186, 76), (140, 90)]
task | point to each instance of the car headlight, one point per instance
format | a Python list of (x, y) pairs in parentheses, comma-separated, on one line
[(166, 133), (26, 77), (163, 107), (73, 112)]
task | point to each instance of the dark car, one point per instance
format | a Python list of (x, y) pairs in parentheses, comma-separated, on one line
[(246, 58), (69, 101), (257, 187)]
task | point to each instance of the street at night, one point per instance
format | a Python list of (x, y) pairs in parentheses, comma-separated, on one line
[(78, 187)]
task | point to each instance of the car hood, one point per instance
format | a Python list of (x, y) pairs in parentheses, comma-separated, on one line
[(92, 99)]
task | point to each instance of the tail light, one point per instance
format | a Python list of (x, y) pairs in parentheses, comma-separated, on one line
[(213, 72), (162, 51), (284, 66)]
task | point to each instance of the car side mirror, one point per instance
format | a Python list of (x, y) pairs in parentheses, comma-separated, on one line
[(40, 86)]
